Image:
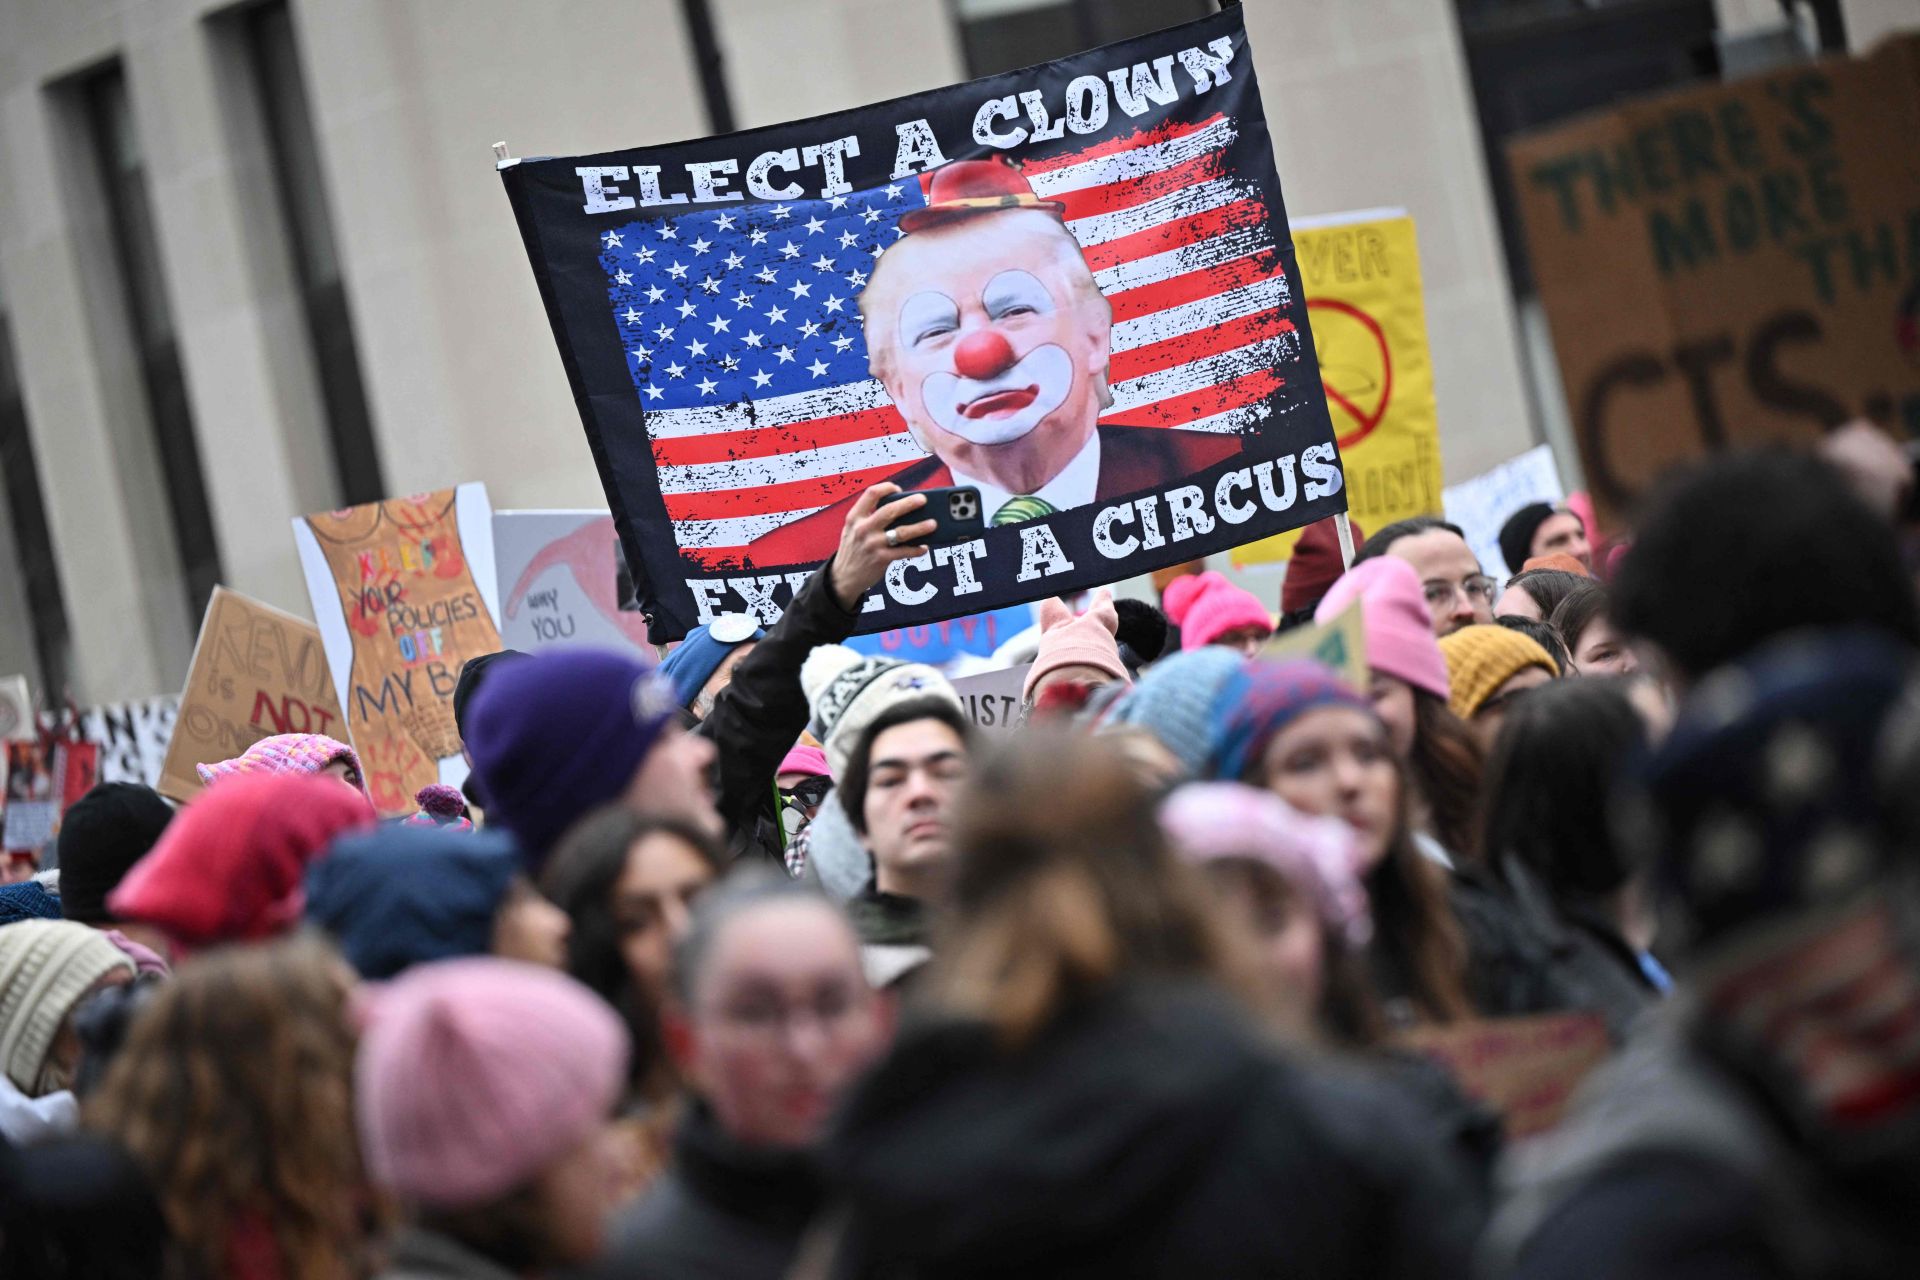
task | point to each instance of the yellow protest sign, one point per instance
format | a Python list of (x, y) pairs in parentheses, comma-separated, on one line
[(1361, 274), (1340, 644)]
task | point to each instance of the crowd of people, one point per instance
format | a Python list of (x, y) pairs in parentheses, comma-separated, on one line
[(766, 961)]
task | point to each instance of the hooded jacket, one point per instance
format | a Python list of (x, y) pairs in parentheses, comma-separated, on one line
[(1150, 1132), (723, 1210), (763, 711)]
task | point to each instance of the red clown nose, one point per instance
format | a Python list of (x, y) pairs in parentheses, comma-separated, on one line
[(981, 355)]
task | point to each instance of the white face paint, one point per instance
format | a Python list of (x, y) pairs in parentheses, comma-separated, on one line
[(1010, 403)]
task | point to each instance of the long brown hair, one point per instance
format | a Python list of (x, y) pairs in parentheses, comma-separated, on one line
[(234, 1093), (1063, 886), (1446, 764)]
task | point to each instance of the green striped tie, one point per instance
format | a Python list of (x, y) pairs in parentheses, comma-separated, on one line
[(1022, 508)]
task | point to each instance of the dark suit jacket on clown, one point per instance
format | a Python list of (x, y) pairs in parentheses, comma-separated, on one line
[(1132, 460)]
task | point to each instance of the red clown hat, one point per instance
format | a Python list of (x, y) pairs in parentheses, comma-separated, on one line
[(963, 188)]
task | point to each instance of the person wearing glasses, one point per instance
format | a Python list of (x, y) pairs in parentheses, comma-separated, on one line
[(1458, 594), (770, 1021)]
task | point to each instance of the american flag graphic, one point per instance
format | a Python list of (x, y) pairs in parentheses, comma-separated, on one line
[(744, 340)]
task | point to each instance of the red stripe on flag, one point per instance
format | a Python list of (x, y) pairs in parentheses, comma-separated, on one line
[(1131, 304), (1178, 411), (1114, 146), (790, 495), (769, 442), (1169, 352), (1088, 201), (1176, 234)]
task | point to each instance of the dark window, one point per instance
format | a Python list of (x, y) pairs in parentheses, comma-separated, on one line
[(32, 541), (136, 252), (1003, 35), (281, 93)]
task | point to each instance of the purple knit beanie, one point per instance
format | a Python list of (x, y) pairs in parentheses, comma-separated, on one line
[(474, 1075), (557, 734)]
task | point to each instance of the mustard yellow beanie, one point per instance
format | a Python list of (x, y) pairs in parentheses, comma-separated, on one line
[(1482, 658)]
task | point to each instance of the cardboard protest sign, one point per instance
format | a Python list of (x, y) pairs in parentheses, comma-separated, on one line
[(939, 644), (1524, 1068), (256, 672), (559, 574), (1731, 265), (1480, 506), (1361, 274), (1340, 644), (1071, 287), (404, 592), (992, 698), (16, 710)]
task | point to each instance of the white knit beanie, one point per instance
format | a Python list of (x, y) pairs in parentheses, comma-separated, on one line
[(46, 966), (848, 692)]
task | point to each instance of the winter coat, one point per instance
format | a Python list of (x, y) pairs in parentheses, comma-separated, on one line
[(1526, 956), (425, 1255), (763, 711), (1148, 1132), (722, 1210), (1672, 1164)]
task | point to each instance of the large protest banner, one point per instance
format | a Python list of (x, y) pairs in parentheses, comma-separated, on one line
[(1361, 274), (1070, 286), (559, 575), (1732, 265), (404, 593), (256, 671)]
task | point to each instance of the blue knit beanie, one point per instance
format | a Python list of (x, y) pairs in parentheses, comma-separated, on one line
[(28, 900), (399, 896), (557, 734), (1174, 702), (696, 658)]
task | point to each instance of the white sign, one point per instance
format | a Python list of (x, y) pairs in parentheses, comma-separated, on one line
[(559, 573), (992, 698), (1481, 505)]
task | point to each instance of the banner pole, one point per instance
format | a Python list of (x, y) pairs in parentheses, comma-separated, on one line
[(1344, 527)]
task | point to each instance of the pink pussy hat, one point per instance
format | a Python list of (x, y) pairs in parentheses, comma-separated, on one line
[(1398, 624), (1083, 641)]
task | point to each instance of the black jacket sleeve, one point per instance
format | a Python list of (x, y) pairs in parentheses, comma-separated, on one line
[(762, 711)]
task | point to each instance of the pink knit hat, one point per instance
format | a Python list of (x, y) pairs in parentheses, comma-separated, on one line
[(1067, 641), (476, 1074), (1399, 626), (1206, 606), (805, 759), (287, 753), (1319, 857)]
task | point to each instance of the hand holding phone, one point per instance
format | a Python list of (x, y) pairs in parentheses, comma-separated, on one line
[(954, 510)]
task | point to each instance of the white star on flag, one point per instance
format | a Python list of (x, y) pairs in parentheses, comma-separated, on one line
[(893, 192), (644, 256), (762, 378), (834, 303), (718, 324), (777, 314), (818, 369), (741, 299), (663, 333), (842, 343), (611, 239), (725, 222), (757, 236), (667, 232), (654, 393), (752, 338), (686, 310), (848, 239), (696, 348), (655, 293), (785, 354), (808, 329), (706, 386), (621, 277), (837, 202), (733, 260), (800, 289), (678, 271), (632, 316), (781, 211), (813, 226), (823, 263), (701, 245), (870, 216), (766, 275), (789, 250), (675, 369)]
